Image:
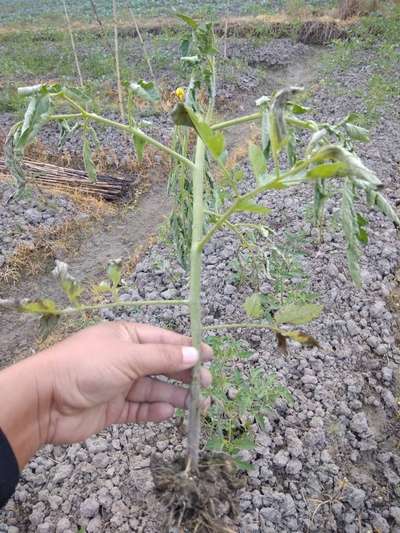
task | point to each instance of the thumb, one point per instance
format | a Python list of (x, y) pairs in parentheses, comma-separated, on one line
[(150, 359)]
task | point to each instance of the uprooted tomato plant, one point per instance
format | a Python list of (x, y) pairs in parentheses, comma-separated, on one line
[(211, 195)]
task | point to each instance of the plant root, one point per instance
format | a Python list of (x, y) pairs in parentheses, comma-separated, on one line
[(202, 500)]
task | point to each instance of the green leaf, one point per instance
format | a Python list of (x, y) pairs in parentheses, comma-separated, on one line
[(146, 90), (139, 144), (251, 207), (379, 202), (362, 234), (45, 306), (356, 132), (297, 313), (351, 230), (35, 116), (70, 286), (183, 115), (114, 271), (244, 442), (298, 109), (188, 20), (253, 306), (328, 170), (257, 161), (216, 443), (88, 161)]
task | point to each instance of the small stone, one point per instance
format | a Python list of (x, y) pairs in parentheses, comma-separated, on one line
[(359, 424), (33, 215), (395, 513), (162, 445), (63, 525), (281, 459), (389, 399), (387, 373), (355, 497), (294, 467), (379, 523), (62, 472), (89, 508)]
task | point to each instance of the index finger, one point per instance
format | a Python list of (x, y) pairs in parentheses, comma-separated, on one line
[(147, 334)]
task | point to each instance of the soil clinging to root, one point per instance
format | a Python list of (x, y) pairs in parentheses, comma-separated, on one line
[(201, 500)]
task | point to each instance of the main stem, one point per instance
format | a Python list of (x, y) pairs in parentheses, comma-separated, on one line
[(195, 305)]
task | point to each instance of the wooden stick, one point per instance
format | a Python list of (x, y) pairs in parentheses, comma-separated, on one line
[(117, 67), (78, 68), (145, 54)]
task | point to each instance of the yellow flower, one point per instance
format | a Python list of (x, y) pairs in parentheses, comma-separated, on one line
[(180, 93)]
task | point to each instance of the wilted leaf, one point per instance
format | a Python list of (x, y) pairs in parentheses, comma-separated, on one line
[(328, 170), (146, 90), (35, 116), (257, 161), (301, 337), (88, 161), (70, 286), (244, 442), (362, 235), (139, 144), (114, 271), (182, 115), (282, 343), (297, 313)]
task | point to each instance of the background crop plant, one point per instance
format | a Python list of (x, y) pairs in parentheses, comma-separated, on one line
[(210, 196)]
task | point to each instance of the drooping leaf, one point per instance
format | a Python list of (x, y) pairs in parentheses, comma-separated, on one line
[(356, 132), (379, 202), (183, 115), (139, 144), (277, 122), (253, 306), (351, 230), (362, 234), (244, 442), (258, 162), (297, 313), (35, 116), (146, 90), (69, 284), (114, 271), (87, 159), (328, 170)]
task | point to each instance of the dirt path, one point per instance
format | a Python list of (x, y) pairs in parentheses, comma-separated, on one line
[(115, 236)]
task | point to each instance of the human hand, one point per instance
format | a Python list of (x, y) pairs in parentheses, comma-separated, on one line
[(105, 375), (100, 376)]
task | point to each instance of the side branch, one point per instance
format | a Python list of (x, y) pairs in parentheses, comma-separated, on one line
[(18, 305)]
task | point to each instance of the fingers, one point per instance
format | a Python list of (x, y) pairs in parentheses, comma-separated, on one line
[(152, 390), (186, 376), (149, 412), (147, 334)]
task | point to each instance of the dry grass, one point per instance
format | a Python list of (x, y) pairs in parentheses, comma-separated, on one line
[(48, 243), (356, 8)]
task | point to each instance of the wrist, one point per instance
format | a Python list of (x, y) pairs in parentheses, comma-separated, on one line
[(25, 400)]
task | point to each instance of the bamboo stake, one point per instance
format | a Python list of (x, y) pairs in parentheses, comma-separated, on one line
[(101, 25), (71, 35), (145, 54), (117, 67)]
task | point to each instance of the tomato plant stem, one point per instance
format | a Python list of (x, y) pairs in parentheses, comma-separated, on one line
[(195, 304)]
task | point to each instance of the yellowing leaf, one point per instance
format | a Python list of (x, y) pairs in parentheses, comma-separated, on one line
[(253, 306)]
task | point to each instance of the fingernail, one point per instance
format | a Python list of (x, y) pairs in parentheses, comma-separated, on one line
[(190, 355)]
